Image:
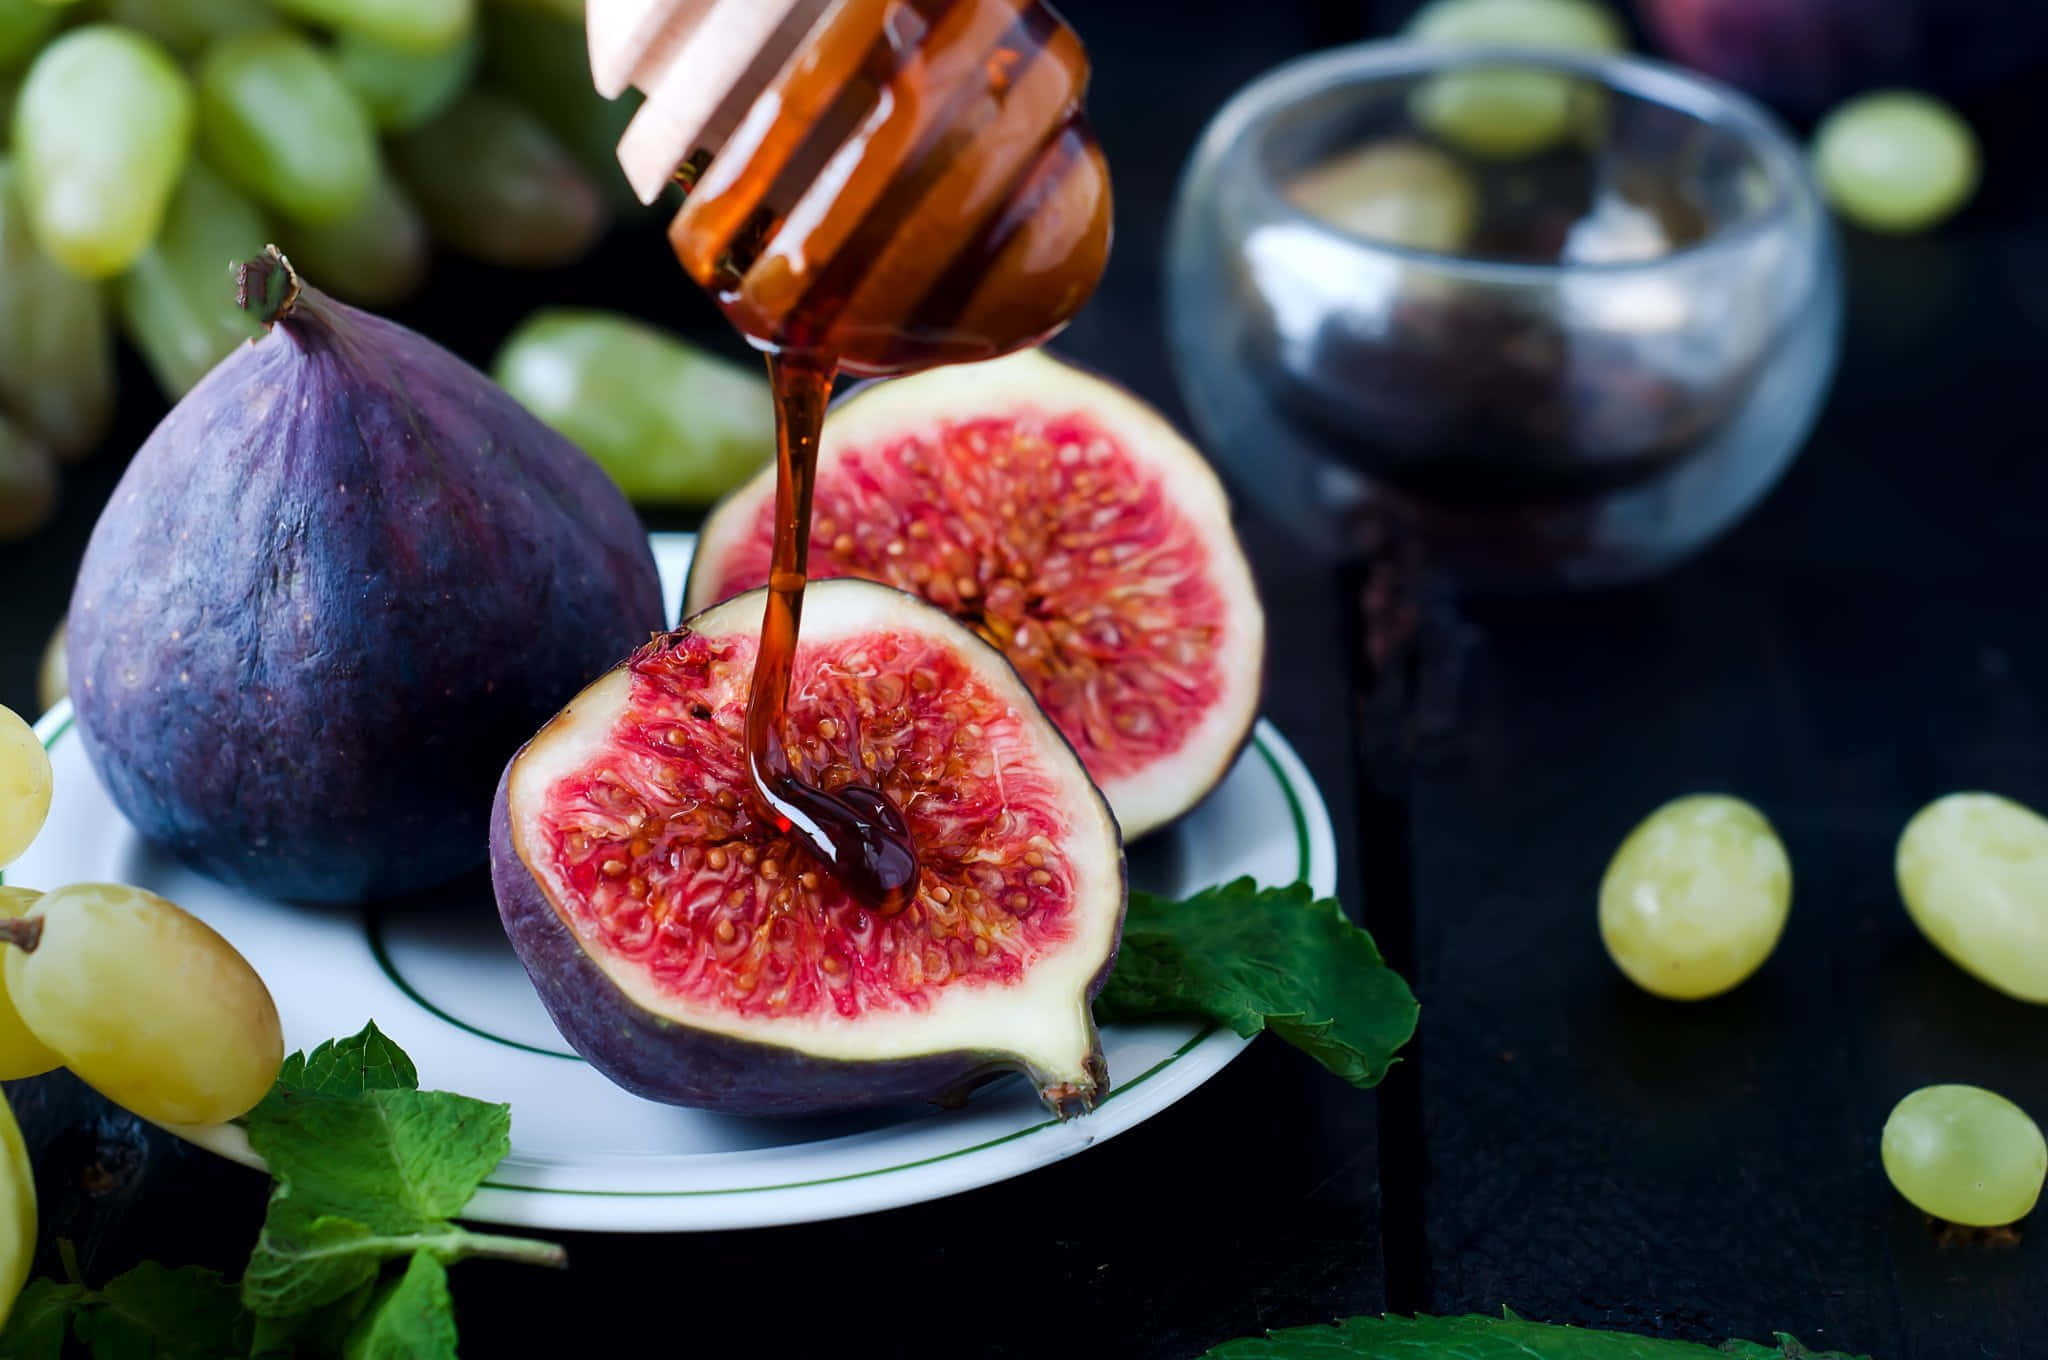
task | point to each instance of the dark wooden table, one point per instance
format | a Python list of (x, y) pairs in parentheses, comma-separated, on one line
[(1869, 639)]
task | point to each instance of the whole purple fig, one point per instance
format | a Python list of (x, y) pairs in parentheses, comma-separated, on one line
[(336, 589)]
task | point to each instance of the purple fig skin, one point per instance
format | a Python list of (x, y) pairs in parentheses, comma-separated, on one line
[(338, 585), (659, 1059)]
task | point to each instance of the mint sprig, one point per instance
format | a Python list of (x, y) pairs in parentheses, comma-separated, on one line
[(368, 1169), (1257, 959), (1490, 1338)]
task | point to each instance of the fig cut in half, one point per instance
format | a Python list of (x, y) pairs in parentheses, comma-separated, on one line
[(1066, 522), (697, 955)]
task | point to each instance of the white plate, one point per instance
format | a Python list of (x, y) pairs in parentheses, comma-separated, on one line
[(588, 1156)]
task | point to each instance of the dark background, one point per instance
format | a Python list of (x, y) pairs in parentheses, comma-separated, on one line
[(1556, 1141)]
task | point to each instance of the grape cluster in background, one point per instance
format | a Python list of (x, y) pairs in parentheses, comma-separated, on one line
[(149, 143)]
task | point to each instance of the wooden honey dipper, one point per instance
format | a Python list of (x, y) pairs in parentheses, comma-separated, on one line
[(883, 185)]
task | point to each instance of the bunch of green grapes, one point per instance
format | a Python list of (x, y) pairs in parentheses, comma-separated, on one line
[(142, 1000), (151, 143), (85, 982)]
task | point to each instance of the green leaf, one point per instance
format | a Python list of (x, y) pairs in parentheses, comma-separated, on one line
[(1273, 958), (315, 1333), (1487, 1338), (41, 1321), (368, 1169), (412, 1319), (367, 1061), (396, 1161), (150, 1313), (157, 1313), (366, 1177), (306, 1260)]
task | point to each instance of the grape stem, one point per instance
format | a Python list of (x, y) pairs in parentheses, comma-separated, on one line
[(23, 932), (267, 286)]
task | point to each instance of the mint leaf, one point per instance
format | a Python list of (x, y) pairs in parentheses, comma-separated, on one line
[(394, 1160), (150, 1313), (413, 1318), (1255, 959), (158, 1313), (368, 1170), (1788, 1348), (317, 1332), (41, 1321), (1487, 1338), (306, 1260), (367, 1061)]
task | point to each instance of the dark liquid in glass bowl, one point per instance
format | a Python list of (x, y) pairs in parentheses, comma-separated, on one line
[(1530, 358)]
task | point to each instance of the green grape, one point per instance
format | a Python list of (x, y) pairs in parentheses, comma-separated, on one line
[(101, 131), (1896, 161), (539, 59), (21, 1053), (414, 25), (375, 256), (17, 1211), (178, 301), (1973, 870), (571, 10), (56, 348), (25, 785), (23, 26), (53, 679), (147, 1004), (1964, 1154), (403, 89), (496, 184), (1505, 113), (1394, 190), (187, 26), (1562, 25), (28, 483), (280, 124), (1695, 899), (671, 424)]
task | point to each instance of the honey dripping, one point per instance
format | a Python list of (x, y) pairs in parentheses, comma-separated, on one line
[(876, 187)]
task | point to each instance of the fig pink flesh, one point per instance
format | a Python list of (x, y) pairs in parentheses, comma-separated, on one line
[(1052, 542), (667, 866)]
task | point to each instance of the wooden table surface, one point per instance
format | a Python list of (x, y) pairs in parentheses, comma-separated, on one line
[(1869, 639)]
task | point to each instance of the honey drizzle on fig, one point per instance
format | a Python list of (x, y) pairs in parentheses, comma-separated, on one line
[(966, 214), (855, 828)]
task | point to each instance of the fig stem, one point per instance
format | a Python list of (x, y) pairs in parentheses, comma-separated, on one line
[(23, 932), (268, 286)]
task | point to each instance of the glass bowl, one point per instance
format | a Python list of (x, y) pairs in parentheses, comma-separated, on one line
[(1561, 318)]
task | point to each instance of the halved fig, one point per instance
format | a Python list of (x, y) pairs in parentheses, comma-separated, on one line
[(1067, 523), (697, 955)]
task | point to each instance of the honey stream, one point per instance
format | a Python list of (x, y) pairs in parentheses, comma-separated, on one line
[(917, 186)]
